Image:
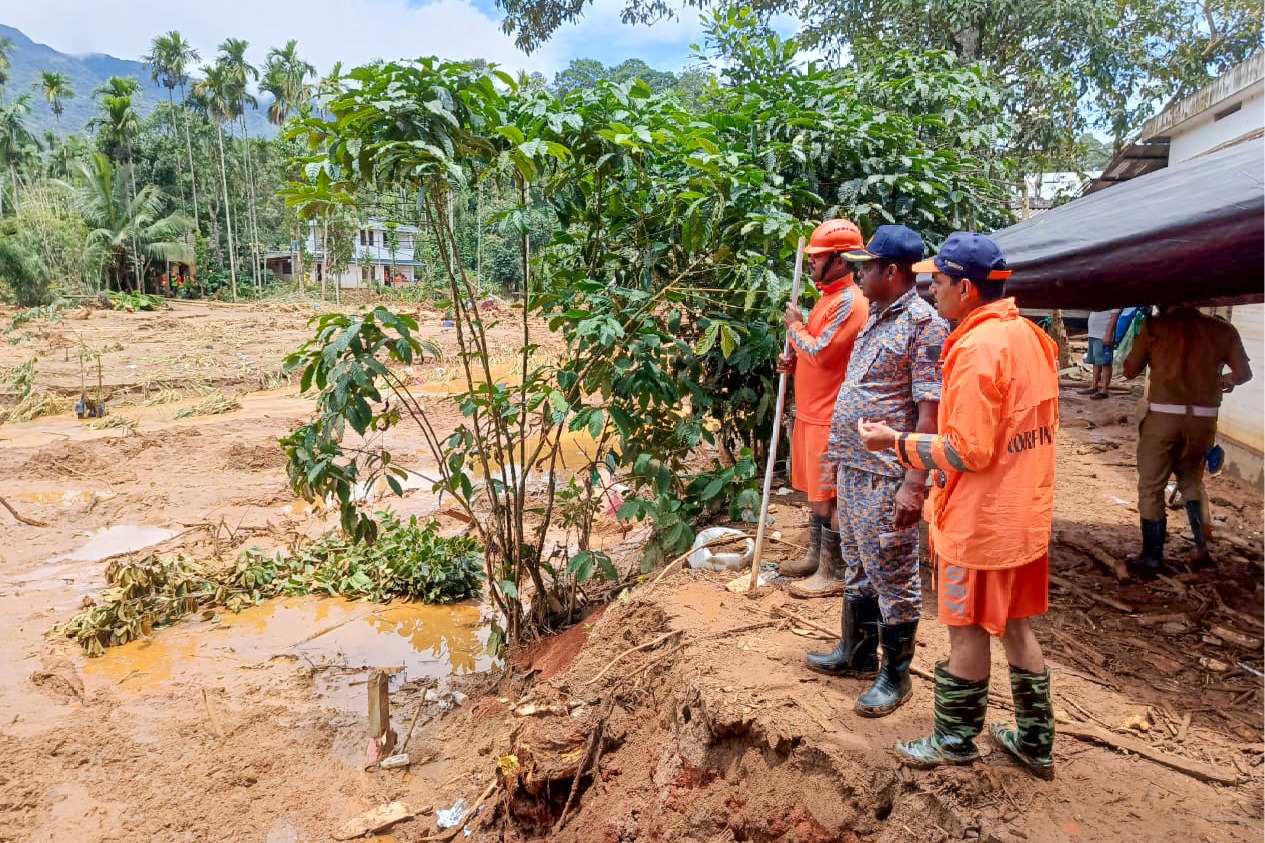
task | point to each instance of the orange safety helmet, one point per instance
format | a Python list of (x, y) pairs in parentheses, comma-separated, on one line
[(838, 235)]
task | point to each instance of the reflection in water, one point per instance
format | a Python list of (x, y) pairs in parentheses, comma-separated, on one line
[(121, 538), (423, 640)]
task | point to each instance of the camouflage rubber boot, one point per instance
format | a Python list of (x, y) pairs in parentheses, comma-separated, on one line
[(1200, 557), (959, 718), (1033, 741), (857, 653), (808, 564), (892, 687), (828, 581)]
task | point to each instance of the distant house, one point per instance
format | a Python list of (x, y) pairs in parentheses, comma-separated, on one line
[(381, 253)]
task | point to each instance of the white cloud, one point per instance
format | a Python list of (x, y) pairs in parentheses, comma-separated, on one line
[(351, 31)]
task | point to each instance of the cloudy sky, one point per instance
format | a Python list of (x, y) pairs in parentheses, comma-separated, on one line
[(351, 31)]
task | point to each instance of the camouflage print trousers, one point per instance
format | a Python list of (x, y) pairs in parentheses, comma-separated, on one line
[(881, 560)]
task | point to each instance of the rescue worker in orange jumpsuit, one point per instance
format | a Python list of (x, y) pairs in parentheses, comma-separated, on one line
[(818, 357), (992, 505)]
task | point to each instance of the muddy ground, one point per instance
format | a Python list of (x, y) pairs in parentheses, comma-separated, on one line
[(252, 727)]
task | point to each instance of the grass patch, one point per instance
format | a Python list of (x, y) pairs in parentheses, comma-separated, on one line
[(37, 404), (109, 422), (212, 405), (409, 560)]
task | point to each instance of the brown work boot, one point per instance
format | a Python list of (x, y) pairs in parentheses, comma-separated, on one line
[(828, 581), (807, 564)]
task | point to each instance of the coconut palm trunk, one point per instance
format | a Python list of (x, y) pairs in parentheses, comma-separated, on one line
[(188, 147), (251, 219), (228, 216)]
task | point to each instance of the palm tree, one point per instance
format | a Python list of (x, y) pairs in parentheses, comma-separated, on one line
[(119, 125), (285, 77), (169, 59), (219, 92), (6, 47), (56, 89), (17, 143), (114, 220), (233, 58)]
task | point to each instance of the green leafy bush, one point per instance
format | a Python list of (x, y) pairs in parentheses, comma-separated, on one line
[(410, 560)]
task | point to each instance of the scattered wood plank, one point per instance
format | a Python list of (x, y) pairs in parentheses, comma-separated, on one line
[(381, 735), (1167, 617), (1237, 639), (1068, 585), (1195, 769), (1115, 566), (1184, 727), (373, 820)]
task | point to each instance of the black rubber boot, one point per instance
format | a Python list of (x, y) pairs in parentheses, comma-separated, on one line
[(1149, 562), (1200, 558), (857, 653), (892, 686), (1032, 742), (808, 564)]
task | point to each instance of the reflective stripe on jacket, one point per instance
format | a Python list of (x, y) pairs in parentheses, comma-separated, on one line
[(999, 414), (823, 346)]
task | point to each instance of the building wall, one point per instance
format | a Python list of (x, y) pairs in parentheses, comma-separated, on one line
[(1205, 132), (1241, 426)]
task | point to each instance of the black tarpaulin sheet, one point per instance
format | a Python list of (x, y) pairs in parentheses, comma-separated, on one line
[(1192, 233)]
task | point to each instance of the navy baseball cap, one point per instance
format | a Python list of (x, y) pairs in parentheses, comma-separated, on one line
[(968, 255), (890, 242)]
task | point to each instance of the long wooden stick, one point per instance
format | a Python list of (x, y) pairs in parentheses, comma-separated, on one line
[(796, 286)]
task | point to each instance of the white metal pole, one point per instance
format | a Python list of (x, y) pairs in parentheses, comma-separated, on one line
[(796, 287)]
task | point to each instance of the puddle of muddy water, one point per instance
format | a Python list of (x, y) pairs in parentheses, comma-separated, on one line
[(121, 538), (340, 639)]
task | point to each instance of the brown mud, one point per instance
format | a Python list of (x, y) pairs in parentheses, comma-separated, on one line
[(252, 727)]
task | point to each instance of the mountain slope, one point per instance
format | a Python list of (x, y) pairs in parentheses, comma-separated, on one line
[(86, 73)]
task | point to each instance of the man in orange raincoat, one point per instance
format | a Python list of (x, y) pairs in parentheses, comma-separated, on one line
[(820, 349), (992, 505)]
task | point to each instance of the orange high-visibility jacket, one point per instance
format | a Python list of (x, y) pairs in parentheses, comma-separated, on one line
[(823, 346), (993, 499)]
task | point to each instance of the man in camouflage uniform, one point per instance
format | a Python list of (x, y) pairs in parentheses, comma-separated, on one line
[(894, 374)]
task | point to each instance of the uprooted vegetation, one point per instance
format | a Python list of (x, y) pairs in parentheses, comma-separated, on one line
[(409, 560)]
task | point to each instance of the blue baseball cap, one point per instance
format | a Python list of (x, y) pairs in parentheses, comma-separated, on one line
[(968, 255), (890, 242)]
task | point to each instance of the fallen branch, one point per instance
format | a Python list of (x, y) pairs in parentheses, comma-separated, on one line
[(804, 622), (647, 646), (1195, 769), (1068, 585), (30, 522), (1117, 568)]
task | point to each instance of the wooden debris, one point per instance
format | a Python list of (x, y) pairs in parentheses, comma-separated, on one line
[(1068, 585), (1195, 769), (210, 716), (1236, 638), (1152, 620), (30, 522), (1102, 557), (381, 736), (1184, 727), (648, 645), (373, 820)]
